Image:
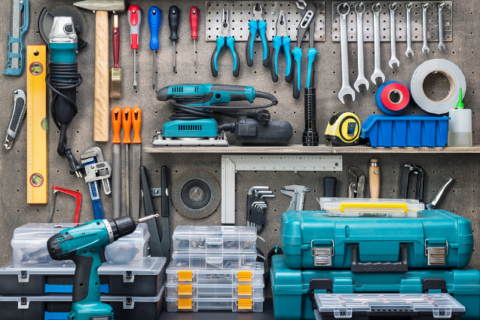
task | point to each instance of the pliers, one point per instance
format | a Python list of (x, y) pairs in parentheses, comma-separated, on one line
[(281, 40), (356, 188), (308, 12), (230, 42), (260, 25)]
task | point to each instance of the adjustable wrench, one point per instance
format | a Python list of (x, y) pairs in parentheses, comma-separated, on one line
[(377, 73), (346, 88), (441, 45), (393, 36), (409, 31), (297, 193), (425, 48), (361, 63)]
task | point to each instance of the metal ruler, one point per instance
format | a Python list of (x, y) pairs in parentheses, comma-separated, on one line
[(37, 183), (400, 21), (231, 164)]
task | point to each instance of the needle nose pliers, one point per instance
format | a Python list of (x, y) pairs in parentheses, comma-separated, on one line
[(281, 40), (230, 42), (257, 24)]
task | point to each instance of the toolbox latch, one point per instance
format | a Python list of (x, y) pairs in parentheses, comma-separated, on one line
[(322, 257), (436, 255)]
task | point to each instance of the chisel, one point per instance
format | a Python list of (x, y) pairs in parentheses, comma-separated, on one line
[(116, 162), (136, 161)]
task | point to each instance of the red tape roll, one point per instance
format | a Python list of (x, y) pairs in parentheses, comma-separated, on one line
[(401, 90)]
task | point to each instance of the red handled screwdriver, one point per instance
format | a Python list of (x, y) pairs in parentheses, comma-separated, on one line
[(134, 20), (194, 26)]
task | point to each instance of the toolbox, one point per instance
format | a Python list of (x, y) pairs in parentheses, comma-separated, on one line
[(29, 244), (292, 287), (434, 239), (116, 280), (217, 304), (57, 307)]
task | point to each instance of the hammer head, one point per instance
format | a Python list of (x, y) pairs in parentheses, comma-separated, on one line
[(101, 5)]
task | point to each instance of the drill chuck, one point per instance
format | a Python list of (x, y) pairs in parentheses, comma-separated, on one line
[(121, 226), (310, 135)]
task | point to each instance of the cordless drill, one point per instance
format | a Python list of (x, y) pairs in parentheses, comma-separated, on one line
[(85, 245)]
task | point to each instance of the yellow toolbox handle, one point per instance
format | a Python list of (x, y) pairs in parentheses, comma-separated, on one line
[(377, 205)]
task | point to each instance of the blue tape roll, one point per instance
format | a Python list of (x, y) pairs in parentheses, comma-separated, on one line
[(379, 102)]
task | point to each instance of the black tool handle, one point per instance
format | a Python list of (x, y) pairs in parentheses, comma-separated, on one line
[(330, 187), (296, 80), (273, 64), (173, 22), (165, 198), (310, 134), (377, 267), (249, 49), (214, 61), (155, 244)]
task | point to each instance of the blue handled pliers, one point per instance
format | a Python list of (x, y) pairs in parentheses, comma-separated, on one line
[(281, 40), (230, 42), (260, 25)]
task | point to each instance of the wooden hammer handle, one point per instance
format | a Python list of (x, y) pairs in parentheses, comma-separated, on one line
[(374, 176), (101, 105)]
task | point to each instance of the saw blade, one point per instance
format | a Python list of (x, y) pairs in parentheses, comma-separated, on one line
[(196, 194)]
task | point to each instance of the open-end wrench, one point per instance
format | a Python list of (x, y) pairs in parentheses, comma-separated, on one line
[(441, 45), (409, 31), (393, 36), (361, 80), (425, 48), (346, 88), (377, 73)]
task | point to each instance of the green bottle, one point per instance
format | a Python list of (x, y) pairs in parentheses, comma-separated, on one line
[(460, 125)]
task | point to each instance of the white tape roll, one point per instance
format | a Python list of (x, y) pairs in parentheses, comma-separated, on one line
[(454, 75)]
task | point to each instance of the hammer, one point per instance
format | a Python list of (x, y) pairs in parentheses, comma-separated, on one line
[(101, 104)]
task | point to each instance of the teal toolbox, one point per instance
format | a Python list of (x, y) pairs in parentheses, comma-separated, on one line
[(434, 239), (291, 288)]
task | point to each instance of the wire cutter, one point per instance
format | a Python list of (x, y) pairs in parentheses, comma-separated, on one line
[(356, 188), (257, 24), (230, 42), (308, 12), (281, 40)]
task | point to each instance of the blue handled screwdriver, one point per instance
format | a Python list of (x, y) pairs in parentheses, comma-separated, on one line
[(154, 21)]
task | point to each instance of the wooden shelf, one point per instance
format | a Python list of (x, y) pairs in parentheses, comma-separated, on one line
[(299, 149)]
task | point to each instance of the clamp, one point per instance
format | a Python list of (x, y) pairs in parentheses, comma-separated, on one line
[(297, 193), (407, 171), (260, 25), (75, 194), (356, 188), (96, 169)]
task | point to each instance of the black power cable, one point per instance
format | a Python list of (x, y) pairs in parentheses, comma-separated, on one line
[(63, 78)]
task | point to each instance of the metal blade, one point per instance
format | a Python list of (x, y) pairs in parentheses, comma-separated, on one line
[(136, 163), (15, 29)]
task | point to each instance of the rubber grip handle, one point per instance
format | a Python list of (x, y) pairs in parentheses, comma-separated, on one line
[(194, 14), (116, 43), (213, 61), (127, 124), (137, 124), (288, 59), (262, 26), (173, 22), (96, 203), (134, 20), (330, 187), (165, 198), (312, 53), (116, 124), (297, 71), (236, 58), (277, 45), (154, 21), (253, 25)]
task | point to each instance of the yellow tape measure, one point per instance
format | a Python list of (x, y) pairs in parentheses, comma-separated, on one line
[(37, 183), (343, 129)]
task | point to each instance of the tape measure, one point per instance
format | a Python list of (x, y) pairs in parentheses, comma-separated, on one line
[(343, 129), (37, 184)]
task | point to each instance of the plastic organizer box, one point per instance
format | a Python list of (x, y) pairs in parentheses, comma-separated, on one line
[(195, 305), (190, 260), (29, 244), (253, 275), (387, 208), (201, 239), (214, 291)]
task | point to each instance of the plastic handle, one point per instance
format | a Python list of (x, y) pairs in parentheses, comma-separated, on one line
[(213, 61), (253, 25), (378, 267), (262, 26), (137, 123), (96, 203), (288, 58), (127, 124), (213, 260), (214, 241), (165, 198), (329, 187), (173, 22), (116, 43), (277, 45), (194, 14), (116, 124), (154, 21), (312, 53), (236, 58), (377, 205), (297, 73), (134, 20)]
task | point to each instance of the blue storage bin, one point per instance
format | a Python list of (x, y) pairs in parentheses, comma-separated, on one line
[(405, 131)]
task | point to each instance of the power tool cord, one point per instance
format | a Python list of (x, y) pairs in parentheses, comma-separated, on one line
[(64, 76), (183, 112)]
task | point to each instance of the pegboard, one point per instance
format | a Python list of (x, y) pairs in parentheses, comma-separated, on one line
[(240, 14), (461, 198), (400, 21)]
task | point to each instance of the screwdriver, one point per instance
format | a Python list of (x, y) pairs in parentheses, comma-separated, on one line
[(194, 26), (134, 20), (154, 21), (127, 126), (173, 21)]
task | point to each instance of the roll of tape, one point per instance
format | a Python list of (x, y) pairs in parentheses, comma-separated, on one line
[(385, 97), (455, 77)]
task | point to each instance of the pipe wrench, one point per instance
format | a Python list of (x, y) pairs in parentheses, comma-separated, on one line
[(16, 38), (96, 169)]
